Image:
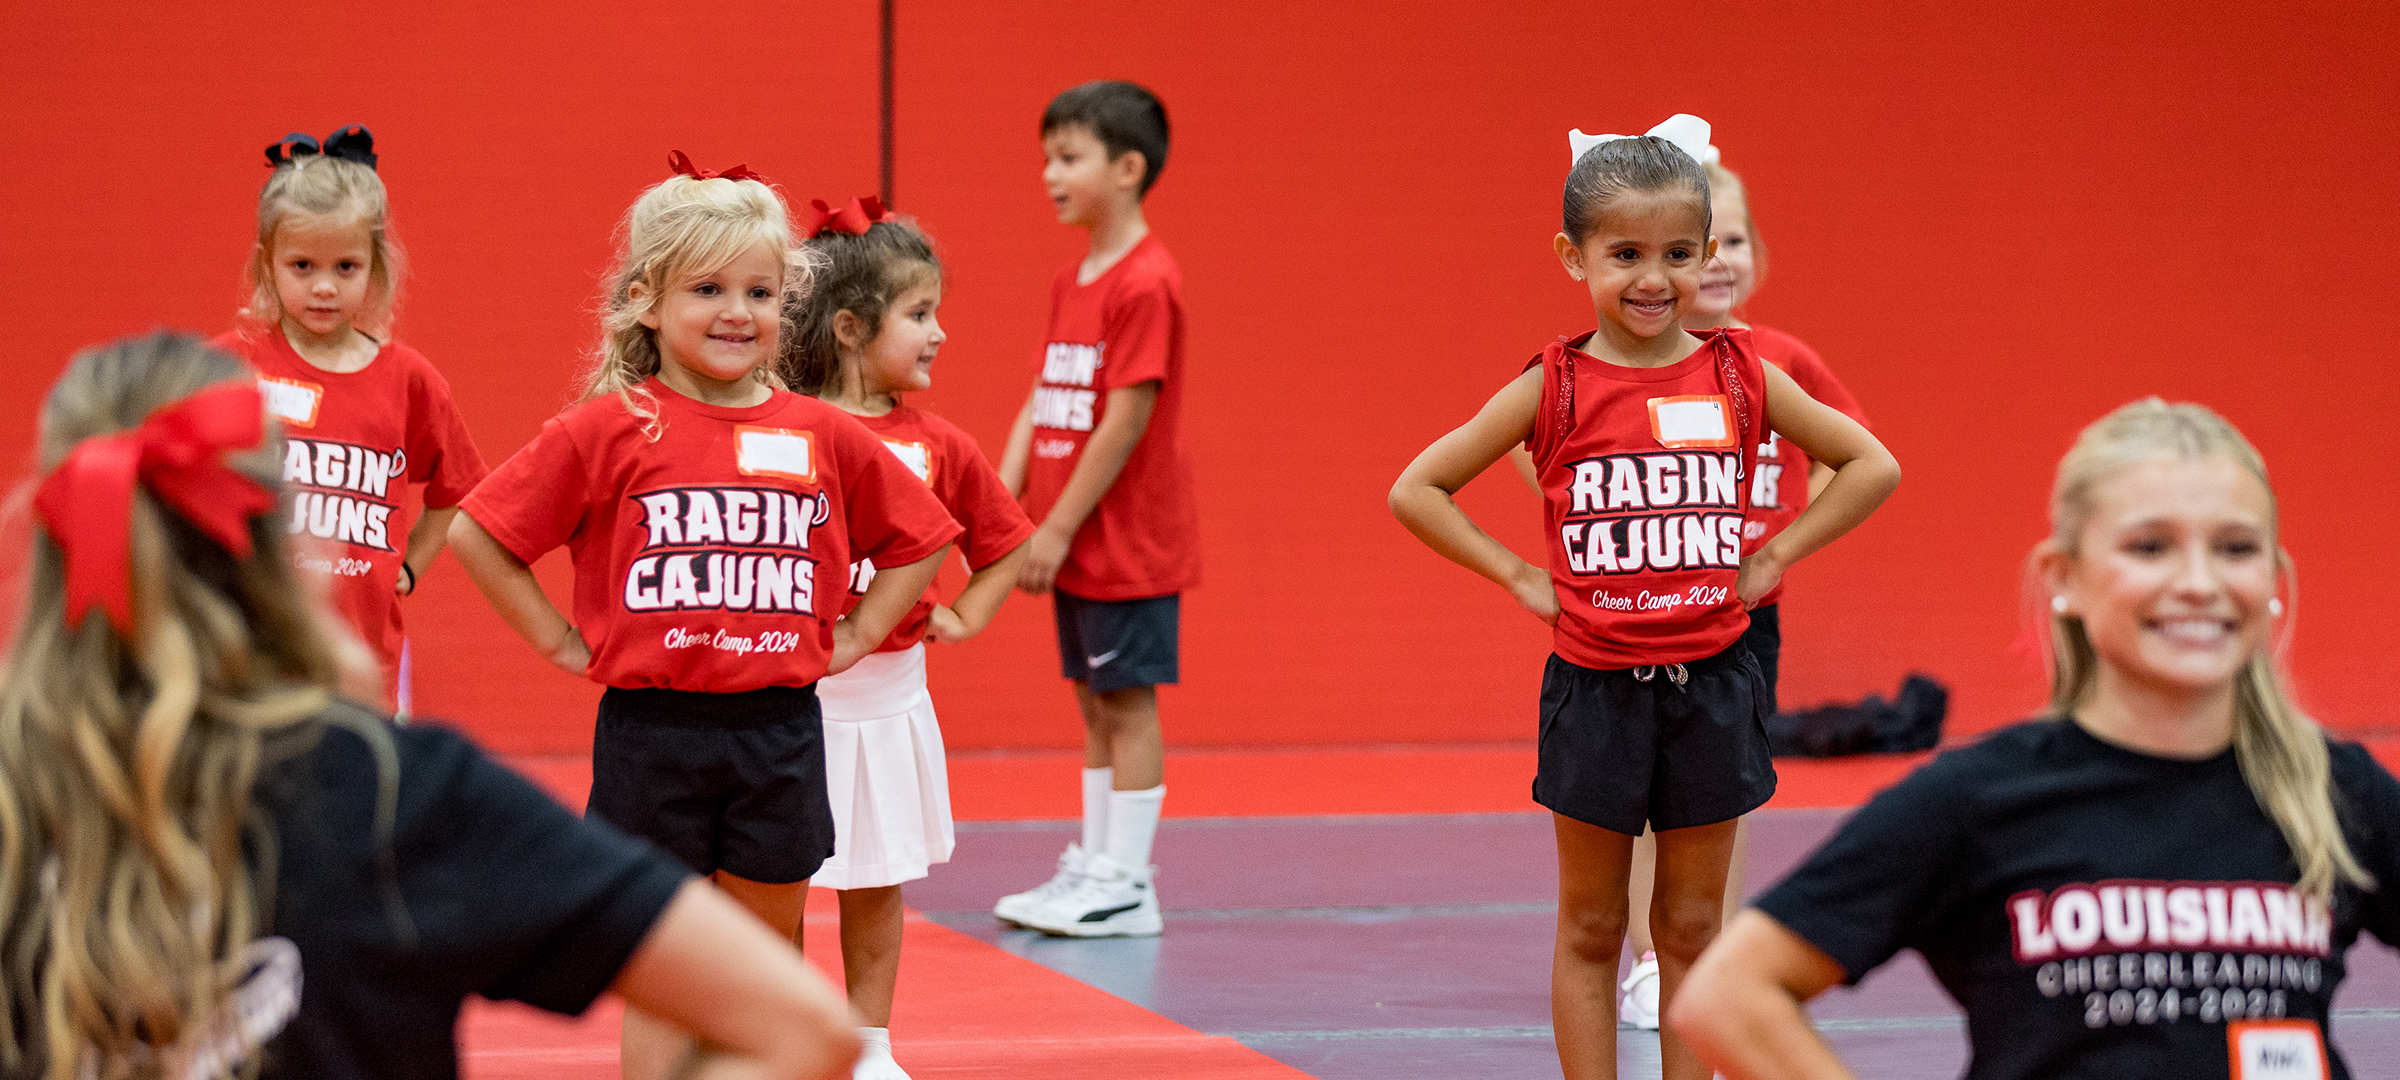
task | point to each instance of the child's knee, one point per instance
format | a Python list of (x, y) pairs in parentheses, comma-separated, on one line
[(1682, 929), (1595, 934)]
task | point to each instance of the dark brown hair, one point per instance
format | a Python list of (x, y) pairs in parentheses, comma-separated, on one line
[(1641, 163), (861, 275), (1123, 116)]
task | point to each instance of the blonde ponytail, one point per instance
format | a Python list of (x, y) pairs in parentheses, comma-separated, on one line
[(2281, 751)]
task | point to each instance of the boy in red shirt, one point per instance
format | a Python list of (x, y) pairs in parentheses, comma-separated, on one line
[(1098, 456)]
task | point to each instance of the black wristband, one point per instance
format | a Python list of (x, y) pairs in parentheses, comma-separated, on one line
[(412, 579)]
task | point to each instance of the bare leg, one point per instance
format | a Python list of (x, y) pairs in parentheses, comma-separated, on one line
[(871, 950), (1685, 915), (1592, 865), (649, 1049), (1637, 891), (1738, 872), (1125, 722)]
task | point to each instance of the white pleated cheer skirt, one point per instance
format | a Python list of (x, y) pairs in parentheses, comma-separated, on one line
[(884, 774)]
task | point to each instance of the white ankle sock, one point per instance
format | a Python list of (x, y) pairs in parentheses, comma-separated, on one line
[(1096, 783), (874, 1036), (1133, 824)]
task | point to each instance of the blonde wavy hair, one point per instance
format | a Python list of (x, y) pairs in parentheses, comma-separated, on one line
[(1723, 181), (133, 866), (679, 230), (317, 188), (2281, 751)]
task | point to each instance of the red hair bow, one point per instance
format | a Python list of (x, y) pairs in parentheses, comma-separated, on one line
[(683, 167), (87, 502), (852, 217)]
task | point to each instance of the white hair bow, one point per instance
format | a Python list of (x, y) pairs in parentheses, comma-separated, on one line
[(1689, 134)]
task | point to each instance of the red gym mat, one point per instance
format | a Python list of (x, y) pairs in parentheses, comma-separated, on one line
[(965, 1010)]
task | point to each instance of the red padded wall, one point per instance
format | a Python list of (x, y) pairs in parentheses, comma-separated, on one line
[(1995, 223)]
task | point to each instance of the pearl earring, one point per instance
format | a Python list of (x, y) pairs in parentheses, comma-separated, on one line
[(2058, 603), (2275, 606)]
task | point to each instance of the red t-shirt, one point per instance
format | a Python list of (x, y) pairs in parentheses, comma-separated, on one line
[(716, 558), (1123, 329), (950, 463), (353, 441), (1642, 475), (1779, 488)]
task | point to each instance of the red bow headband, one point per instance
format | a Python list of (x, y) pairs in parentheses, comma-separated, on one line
[(87, 502), (683, 167), (853, 217)]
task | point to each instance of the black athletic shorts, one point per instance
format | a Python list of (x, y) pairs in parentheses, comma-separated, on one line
[(1629, 746), (1765, 641), (732, 782), (1118, 644)]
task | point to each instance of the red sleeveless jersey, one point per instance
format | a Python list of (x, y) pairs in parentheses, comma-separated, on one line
[(1643, 474)]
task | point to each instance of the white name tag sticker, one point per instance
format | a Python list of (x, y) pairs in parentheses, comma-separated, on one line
[(916, 455), (290, 400), (2277, 1050), (1694, 420), (765, 451)]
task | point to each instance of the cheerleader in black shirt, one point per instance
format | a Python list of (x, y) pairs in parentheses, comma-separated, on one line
[(2160, 878)]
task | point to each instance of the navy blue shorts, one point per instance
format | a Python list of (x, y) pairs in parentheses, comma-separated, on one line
[(1118, 644), (1625, 747), (732, 782)]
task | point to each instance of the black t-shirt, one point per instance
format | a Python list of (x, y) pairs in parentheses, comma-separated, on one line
[(2097, 912), (505, 893)]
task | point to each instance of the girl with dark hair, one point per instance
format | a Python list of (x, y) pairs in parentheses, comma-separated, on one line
[(866, 334), (1642, 435)]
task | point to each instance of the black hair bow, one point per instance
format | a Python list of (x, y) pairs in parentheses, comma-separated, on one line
[(355, 143)]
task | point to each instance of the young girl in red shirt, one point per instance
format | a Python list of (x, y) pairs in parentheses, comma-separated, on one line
[(713, 517), (1642, 435), (867, 334), (364, 416)]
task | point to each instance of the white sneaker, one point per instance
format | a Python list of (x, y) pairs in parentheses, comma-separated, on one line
[(1113, 900), (1639, 1009), (1016, 906), (875, 1059)]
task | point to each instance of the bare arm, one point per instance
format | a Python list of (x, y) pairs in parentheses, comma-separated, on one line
[(966, 616), (1019, 451), (1104, 456), (1818, 477), (1523, 460), (757, 1010), (509, 584), (886, 602), (1864, 474), (425, 539), (1422, 497), (1739, 1009)]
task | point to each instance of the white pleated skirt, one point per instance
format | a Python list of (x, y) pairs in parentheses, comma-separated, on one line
[(884, 774)]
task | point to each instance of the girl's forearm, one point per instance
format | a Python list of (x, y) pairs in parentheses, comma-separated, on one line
[(1855, 490), (1430, 514), (425, 540), (987, 588), (509, 585), (890, 595)]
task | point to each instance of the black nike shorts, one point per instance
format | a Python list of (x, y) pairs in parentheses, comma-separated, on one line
[(732, 782), (1118, 644), (1625, 747)]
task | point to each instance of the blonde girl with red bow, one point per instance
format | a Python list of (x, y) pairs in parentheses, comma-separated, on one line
[(713, 516), (214, 866), (867, 334)]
